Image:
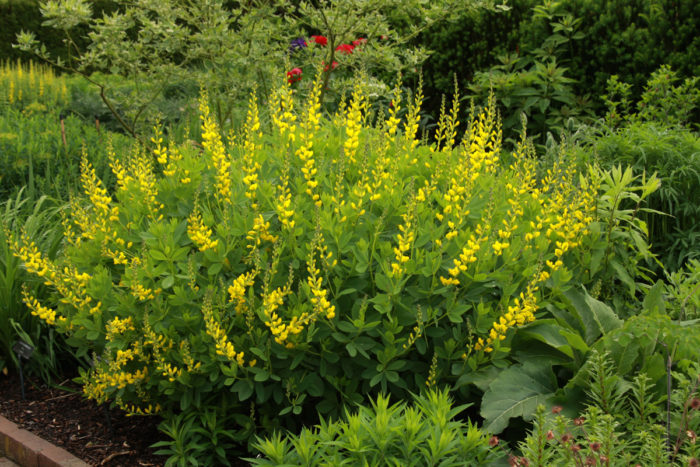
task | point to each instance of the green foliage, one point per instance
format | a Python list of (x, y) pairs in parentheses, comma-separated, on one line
[(682, 292), (423, 433), (535, 82), (234, 48), (673, 216), (40, 220), (633, 38), (25, 15), (662, 102), (32, 152), (625, 423), (516, 392), (644, 343), (288, 272), (467, 45)]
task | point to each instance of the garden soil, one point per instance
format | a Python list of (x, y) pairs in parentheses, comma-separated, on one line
[(81, 427)]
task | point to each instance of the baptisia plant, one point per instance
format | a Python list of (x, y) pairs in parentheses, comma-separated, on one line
[(255, 280)]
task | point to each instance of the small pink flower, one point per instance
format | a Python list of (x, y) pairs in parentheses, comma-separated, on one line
[(493, 441), (359, 41)]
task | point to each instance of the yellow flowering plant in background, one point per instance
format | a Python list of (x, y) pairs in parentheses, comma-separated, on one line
[(306, 263)]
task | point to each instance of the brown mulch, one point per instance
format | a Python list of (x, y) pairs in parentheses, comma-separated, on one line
[(81, 427)]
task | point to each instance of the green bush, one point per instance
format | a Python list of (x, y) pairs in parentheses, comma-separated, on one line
[(674, 154), (298, 269), (424, 433), (627, 38), (25, 15)]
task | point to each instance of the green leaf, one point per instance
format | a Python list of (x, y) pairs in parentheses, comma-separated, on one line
[(549, 332), (624, 276), (244, 388), (383, 283), (654, 300), (516, 392), (596, 317), (313, 384), (167, 282)]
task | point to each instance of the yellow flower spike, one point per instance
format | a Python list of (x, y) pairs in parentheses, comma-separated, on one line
[(309, 127), (251, 167), (353, 123), (212, 142), (199, 233)]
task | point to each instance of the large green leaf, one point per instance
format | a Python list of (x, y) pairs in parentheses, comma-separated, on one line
[(516, 392), (549, 332), (596, 317)]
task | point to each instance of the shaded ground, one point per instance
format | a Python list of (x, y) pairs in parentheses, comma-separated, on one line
[(81, 427)]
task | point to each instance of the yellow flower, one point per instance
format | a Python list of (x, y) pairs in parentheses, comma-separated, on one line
[(199, 233)]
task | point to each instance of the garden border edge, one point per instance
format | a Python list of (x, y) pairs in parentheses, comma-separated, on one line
[(29, 450)]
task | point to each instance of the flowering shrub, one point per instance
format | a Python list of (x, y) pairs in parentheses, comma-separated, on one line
[(295, 269), (23, 84)]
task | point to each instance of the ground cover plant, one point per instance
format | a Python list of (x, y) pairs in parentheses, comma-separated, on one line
[(306, 265)]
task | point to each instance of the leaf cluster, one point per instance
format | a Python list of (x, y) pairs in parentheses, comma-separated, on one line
[(426, 432)]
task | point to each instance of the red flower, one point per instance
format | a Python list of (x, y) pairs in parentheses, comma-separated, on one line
[(320, 40), (557, 409), (345, 48), (493, 441), (294, 75), (359, 41), (333, 65)]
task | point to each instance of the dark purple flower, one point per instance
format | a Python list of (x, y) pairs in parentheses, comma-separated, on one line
[(296, 44)]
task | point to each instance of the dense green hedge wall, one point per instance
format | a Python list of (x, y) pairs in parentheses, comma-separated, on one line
[(630, 38), (468, 45)]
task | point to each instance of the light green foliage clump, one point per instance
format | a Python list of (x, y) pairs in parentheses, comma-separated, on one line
[(423, 433), (651, 137)]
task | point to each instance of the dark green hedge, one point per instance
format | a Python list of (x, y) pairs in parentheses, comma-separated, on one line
[(630, 38)]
